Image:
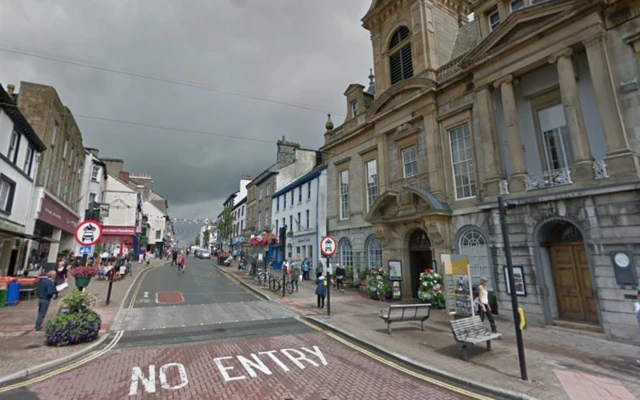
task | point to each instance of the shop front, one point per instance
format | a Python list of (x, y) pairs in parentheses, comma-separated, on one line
[(303, 246), (118, 240), (54, 228)]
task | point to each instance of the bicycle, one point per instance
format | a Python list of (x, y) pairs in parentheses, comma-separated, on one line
[(275, 284), (261, 277), (290, 286)]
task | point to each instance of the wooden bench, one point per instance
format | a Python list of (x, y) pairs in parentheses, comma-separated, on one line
[(406, 312), (471, 330)]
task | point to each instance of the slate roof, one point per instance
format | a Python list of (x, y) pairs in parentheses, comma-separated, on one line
[(467, 38), (19, 121)]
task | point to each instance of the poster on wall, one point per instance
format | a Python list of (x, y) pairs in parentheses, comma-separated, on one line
[(457, 285), (397, 290), (395, 270), (518, 279)]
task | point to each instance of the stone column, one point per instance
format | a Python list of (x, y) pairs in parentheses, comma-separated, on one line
[(603, 85), (619, 160), (516, 180), (493, 172), (581, 169), (54, 246)]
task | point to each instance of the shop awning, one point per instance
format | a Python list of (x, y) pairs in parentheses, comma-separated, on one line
[(26, 236)]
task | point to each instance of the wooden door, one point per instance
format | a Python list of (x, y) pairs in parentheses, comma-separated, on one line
[(420, 260), (572, 279)]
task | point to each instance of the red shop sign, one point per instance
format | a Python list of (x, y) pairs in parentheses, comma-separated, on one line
[(57, 215), (110, 230)]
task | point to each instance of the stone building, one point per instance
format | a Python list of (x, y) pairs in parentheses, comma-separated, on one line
[(59, 180), (292, 162), (536, 101)]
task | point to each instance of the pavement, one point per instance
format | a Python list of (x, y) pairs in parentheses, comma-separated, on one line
[(23, 350), (203, 335), (561, 364)]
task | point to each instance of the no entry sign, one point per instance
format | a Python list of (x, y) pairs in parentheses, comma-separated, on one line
[(88, 233), (328, 246)]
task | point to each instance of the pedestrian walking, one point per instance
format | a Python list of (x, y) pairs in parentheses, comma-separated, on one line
[(483, 303), (321, 289), (295, 275), (174, 258), (61, 275), (340, 275), (305, 269), (182, 264), (46, 290), (319, 269)]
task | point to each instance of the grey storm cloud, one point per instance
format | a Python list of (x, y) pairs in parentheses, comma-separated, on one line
[(293, 51)]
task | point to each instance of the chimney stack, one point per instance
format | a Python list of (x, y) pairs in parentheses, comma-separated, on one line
[(11, 88), (124, 176)]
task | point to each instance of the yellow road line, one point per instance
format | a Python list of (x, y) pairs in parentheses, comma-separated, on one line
[(396, 366), (66, 368), (238, 283), (138, 285)]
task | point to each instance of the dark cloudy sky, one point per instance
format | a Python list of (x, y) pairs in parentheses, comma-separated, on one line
[(303, 52)]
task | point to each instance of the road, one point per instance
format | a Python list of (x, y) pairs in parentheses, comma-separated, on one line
[(200, 335)]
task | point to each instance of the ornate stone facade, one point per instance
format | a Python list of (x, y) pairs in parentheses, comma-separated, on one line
[(537, 104)]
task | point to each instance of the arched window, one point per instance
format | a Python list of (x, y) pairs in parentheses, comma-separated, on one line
[(373, 252), (345, 252), (400, 60), (473, 244)]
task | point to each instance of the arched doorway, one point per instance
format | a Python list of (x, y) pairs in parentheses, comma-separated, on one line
[(574, 294), (421, 257)]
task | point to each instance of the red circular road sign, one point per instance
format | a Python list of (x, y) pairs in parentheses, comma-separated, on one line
[(88, 233), (328, 246)]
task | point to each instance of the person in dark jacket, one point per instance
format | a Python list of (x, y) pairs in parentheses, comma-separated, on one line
[(321, 289), (340, 275), (61, 275), (46, 290)]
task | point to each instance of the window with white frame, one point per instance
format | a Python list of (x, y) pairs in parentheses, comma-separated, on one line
[(277, 226), (401, 59), (268, 189), (95, 170), (65, 148), (473, 244), (54, 134), (555, 138), (92, 199), (464, 180), (307, 219), (277, 203), (299, 194), (284, 201), (243, 211), (299, 222), (71, 157), (284, 222), (267, 219), (158, 233), (344, 194), (354, 108), (46, 176), (290, 222), (14, 145), (345, 252), (409, 162), (259, 220), (494, 20), (292, 196), (371, 171), (309, 191), (28, 161), (515, 5), (373, 252), (261, 193), (7, 190)]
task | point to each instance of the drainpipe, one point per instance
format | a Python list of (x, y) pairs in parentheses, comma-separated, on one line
[(316, 246)]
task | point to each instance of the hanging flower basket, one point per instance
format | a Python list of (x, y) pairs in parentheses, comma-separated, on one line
[(264, 239)]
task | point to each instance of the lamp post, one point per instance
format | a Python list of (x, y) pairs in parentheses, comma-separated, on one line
[(512, 286)]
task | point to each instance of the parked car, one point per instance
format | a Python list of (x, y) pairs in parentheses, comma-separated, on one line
[(204, 254)]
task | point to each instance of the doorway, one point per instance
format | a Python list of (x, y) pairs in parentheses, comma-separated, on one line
[(575, 296), (421, 258)]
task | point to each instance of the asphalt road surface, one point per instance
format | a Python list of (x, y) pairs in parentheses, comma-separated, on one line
[(200, 335)]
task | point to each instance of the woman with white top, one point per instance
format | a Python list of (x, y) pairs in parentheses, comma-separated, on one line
[(483, 302)]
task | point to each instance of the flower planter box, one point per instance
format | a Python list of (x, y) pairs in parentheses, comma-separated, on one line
[(82, 281)]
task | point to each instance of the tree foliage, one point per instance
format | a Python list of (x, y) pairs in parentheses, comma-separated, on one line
[(198, 240), (225, 226), (206, 236)]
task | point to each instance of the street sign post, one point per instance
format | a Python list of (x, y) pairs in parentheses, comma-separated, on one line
[(85, 250), (88, 233), (328, 247)]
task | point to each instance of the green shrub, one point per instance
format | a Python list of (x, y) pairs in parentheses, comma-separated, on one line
[(73, 328), (78, 301)]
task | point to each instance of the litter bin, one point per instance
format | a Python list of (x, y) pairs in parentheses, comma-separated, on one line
[(13, 293)]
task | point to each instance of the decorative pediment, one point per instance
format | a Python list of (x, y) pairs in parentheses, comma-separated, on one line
[(522, 25), (407, 203), (398, 94)]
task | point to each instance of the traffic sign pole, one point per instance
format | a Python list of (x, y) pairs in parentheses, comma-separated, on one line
[(328, 247), (329, 289)]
